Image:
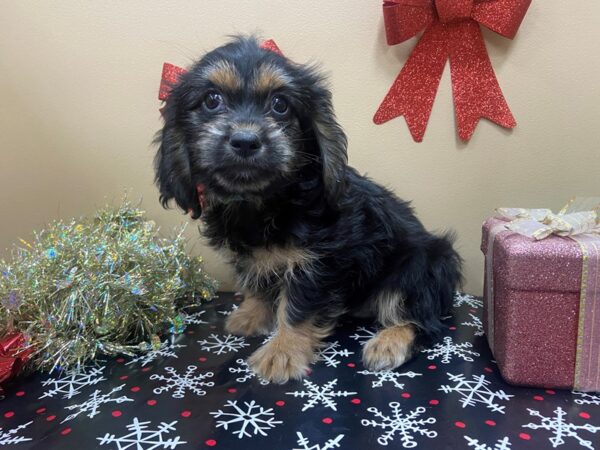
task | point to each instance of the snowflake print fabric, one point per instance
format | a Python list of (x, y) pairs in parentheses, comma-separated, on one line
[(179, 384), (245, 420), (196, 390), (404, 426), (223, 344)]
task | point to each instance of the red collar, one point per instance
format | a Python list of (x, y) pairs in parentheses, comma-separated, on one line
[(201, 189)]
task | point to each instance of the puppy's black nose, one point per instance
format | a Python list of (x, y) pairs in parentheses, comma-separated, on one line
[(245, 143)]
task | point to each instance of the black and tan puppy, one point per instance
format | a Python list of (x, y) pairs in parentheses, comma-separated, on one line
[(251, 146)]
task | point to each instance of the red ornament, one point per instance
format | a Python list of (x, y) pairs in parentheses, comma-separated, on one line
[(451, 32), (14, 353)]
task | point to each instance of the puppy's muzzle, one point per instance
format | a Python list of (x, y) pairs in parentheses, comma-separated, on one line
[(245, 143)]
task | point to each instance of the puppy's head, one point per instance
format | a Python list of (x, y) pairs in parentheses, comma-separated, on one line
[(244, 122)]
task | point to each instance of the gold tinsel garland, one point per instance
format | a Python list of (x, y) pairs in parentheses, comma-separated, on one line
[(104, 285)]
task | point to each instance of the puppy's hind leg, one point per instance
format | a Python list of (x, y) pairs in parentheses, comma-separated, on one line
[(393, 345), (255, 316)]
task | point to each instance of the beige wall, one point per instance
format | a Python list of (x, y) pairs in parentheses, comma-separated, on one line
[(78, 108)]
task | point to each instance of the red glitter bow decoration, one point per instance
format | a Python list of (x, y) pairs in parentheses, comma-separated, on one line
[(171, 73), (451, 32), (13, 356)]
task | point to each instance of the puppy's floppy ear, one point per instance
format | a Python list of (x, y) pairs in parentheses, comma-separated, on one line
[(172, 166), (328, 134)]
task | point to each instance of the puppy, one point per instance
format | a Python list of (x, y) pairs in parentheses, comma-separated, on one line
[(252, 148)]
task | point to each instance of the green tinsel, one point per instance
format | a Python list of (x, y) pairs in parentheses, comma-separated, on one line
[(104, 285)]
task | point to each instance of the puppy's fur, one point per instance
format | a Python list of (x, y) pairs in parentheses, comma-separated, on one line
[(309, 238)]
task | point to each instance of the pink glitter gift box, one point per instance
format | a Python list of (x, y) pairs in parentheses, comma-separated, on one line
[(538, 315)]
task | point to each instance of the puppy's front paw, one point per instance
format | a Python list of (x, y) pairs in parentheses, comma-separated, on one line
[(251, 319), (389, 348), (279, 364)]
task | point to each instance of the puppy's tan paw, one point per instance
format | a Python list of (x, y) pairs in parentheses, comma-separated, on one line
[(389, 348), (252, 318), (277, 364)]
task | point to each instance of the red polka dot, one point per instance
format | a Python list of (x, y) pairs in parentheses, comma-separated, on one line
[(202, 359), (460, 424), (405, 395), (50, 418), (151, 402), (9, 414), (280, 403), (20, 393), (146, 369), (124, 377), (351, 365), (135, 389), (211, 442), (212, 327), (584, 415), (355, 401), (232, 390), (190, 332), (491, 423), (40, 410), (65, 431), (524, 436), (488, 370), (434, 402), (327, 420), (308, 372), (539, 398), (432, 367), (550, 391), (117, 413), (452, 328), (186, 413), (120, 360)]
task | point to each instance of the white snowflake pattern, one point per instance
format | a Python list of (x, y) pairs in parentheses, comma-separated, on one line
[(475, 323), (93, 403), (560, 428), (448, 349), (180, 383), (466, 299), (501, 444), (166, 350), (330, 354), (391, 376), (142, 438), (71, 382), (363, 334), (406, 425), (227, 312), (324, 395), (476, 391), (251, 416), (245, 372), (10, 437), (194, 318), (219, 345), (330, 444), (586, 398)]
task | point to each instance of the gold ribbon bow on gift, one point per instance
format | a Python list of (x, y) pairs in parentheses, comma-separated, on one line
[(579, 216)]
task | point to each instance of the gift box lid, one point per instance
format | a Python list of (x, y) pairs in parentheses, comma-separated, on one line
[(522, 263)]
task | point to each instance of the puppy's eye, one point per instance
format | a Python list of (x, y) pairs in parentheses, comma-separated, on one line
[(213, 100), (279, 105)]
